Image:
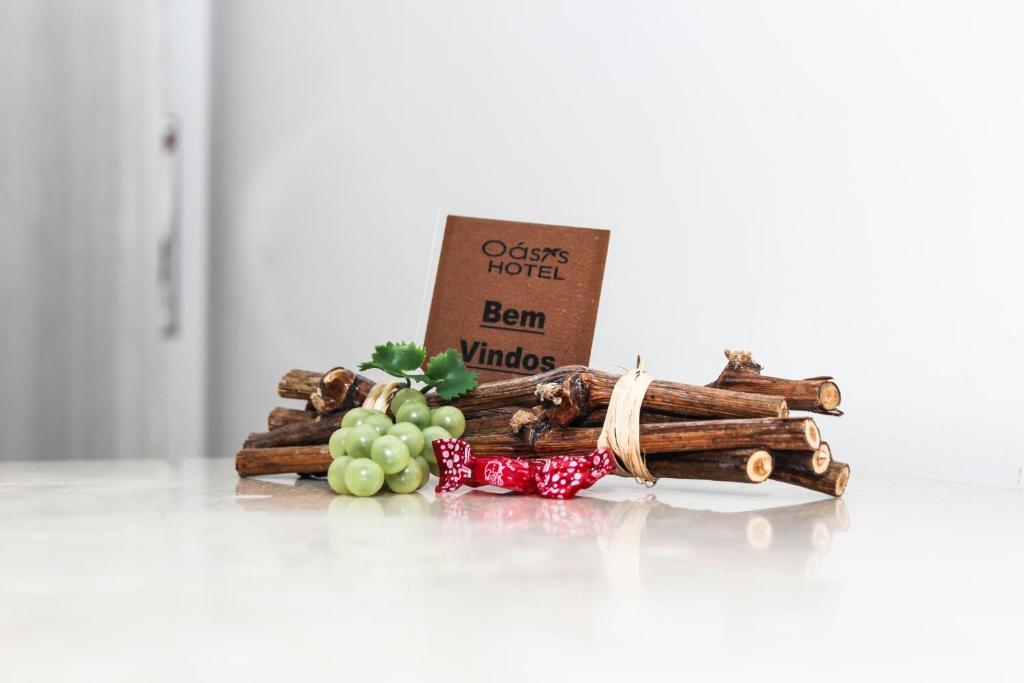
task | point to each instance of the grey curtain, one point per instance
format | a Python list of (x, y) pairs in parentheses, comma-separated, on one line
[(83, 205)]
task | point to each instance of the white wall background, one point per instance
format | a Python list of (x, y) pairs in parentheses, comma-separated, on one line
[(837, 186)]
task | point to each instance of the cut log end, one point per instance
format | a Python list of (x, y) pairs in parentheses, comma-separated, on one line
[(842, 479), (821, 459), (829, 396), (833, 482), (298, 384), (759, 466), (812, 434), (783, 409)]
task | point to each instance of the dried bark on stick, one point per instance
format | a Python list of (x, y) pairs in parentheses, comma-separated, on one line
[(808, 462), (333, 389), (798, 433), (816, 394), (832, 483), (585, 390), (279, 417), (746, 465)]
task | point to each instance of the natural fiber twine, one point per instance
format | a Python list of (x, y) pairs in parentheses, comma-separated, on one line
[(379, 397), (621, 431)]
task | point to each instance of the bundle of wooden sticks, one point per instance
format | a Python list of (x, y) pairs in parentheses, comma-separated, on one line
[(737, 428)]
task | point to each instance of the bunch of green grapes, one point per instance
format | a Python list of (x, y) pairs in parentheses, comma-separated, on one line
[(371, 452)]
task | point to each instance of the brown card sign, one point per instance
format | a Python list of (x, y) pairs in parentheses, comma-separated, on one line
[(516, 298)]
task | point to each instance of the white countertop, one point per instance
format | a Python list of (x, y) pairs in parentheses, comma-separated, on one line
[(150, 570)]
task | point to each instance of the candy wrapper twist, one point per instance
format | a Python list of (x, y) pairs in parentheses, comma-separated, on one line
[(562, 476)]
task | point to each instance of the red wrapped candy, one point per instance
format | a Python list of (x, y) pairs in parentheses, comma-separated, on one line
[(562, 476)]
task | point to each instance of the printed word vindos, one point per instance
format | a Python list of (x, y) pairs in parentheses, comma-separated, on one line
[(478, 353)]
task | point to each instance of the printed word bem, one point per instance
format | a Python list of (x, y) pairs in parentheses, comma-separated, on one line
[(512, 317)]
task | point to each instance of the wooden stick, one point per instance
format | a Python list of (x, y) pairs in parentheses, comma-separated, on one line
[(585, 390), (298, 384), (816, 394), (511, 420), (771, 433), (251, 462), (833, 482), (808, 462), (280, 417), (747, 465), (498, 422), (517, 392), (314, 432)]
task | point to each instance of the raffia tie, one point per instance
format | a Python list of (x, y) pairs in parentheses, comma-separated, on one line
[(379, 397), (621, 431)]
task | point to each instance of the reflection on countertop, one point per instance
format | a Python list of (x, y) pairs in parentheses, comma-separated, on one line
[(178, 570), (634, 544)]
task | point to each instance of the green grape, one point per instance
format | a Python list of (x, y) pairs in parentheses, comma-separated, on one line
[(417, 413), (337, 442), (407, 479), (424, 469), (431, 434), (359, 440), (449, 417), (363, 477), (336, 475), (390, 453), (381, 422), (355, 417), (407, 395), (410, 435), (431, 463)]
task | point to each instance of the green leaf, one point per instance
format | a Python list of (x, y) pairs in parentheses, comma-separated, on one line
[(448, 375), (396, 359)]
